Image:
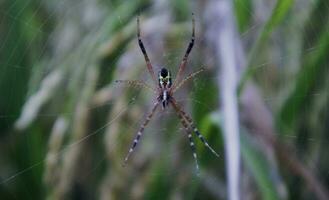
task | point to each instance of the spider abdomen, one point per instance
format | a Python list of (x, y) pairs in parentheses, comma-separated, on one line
[(164, 98)]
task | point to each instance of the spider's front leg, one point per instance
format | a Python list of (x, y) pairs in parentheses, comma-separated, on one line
[(187, 53), (147, 60)]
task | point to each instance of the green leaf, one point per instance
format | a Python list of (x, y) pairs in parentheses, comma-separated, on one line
[(278, 14), (312, 72), (259, 167), (261, 170), (243, 12)]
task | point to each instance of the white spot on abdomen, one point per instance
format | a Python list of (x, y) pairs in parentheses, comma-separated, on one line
[(165, 95)]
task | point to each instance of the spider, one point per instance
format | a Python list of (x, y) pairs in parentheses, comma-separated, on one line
[(165, 90)]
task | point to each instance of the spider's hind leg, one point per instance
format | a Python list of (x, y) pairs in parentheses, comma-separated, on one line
[(203, 140), (191, 124), (192, 144), (140, 132)]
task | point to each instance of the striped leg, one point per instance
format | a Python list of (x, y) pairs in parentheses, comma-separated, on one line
[(135, 84), (188, 50), (188, 131), (196, 131), (189, 77), (147, 60), (140, 132)]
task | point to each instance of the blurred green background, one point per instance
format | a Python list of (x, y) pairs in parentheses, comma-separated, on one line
[(65, 125)]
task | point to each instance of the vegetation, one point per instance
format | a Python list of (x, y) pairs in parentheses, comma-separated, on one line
[(66, 125)]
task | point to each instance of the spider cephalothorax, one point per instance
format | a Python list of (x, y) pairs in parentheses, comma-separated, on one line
[(165, 83), (165, 78), (165, 90)]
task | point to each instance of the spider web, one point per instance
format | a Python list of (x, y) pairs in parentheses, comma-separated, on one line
[(164, 142)]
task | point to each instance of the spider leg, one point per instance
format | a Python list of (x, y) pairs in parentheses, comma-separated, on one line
[(188, 50), (140, 132), (196, 131), (136, 84), (188, 131), (147, 60), (189, 77)]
